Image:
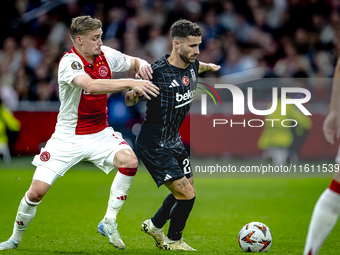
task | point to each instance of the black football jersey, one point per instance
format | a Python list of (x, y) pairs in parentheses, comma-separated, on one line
[(166, 112)]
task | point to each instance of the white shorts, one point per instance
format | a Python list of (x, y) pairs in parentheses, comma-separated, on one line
[(62, 151), (45, 175)]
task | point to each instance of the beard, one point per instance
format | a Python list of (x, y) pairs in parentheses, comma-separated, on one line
[(185, 58)]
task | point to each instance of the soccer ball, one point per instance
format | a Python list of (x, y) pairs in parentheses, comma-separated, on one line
[(255, 237)]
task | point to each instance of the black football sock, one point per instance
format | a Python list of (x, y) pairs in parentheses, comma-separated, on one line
[(179, 215), (163, 213)]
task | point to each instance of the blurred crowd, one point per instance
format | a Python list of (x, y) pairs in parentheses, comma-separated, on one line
[(288, 38)]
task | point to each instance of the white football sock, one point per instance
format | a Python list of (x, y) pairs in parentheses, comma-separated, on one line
[(118, 194), (25, 215), (325, 215)]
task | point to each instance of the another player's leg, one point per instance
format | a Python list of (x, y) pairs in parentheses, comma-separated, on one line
[(156, 163), (154, 226), (325, 215), (185, 193), (27, 209), (127, 163)]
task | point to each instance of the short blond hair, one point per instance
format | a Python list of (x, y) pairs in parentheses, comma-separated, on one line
[(83, 25)]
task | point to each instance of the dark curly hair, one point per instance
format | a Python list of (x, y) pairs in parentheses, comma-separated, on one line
[(184, 28)]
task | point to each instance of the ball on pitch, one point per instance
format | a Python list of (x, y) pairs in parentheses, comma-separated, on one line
[(255, 237)]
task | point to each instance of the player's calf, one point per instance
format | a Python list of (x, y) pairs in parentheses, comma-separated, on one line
[(25, 215), (179, 215)]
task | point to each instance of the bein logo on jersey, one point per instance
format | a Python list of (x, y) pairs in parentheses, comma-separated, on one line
[(187, 96)]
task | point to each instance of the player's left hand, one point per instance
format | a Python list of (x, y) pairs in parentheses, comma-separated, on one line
[(204, 67), (213, 67), (144, 72)]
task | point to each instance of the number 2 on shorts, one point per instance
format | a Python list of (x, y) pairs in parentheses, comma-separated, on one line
[(186, 166)]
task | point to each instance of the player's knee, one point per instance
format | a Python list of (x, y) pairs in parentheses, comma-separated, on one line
[(126, 158), (130, 161), (190, 195), (186, 194), (133, 162), (34, 195), (192, 185), (37, 191)]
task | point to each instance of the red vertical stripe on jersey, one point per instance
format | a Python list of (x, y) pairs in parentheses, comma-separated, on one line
[(92, 111), (92, 114)]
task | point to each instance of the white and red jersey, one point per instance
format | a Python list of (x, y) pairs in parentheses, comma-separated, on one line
[(82, 113)]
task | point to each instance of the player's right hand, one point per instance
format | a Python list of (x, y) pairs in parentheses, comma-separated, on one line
[(145, 87), (145, 72), (331, 127)]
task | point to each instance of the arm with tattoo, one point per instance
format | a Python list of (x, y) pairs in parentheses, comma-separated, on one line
[(203, 67)]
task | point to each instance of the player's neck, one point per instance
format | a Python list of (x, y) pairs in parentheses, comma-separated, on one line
[(175, 60), (88, 58)]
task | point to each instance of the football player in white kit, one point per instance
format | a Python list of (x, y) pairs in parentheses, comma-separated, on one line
[(327, 209), (82, 131)]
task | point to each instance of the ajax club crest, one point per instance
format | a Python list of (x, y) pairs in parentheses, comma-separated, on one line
[(103, 71)]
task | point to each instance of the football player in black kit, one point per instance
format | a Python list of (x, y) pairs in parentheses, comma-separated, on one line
[(159, 143)]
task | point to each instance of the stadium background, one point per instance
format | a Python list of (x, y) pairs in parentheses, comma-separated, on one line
[(283, 38)]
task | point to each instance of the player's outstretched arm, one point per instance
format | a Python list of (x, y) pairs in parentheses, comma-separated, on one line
[(331, 125), (203, 67), (144, 72), (101, 86), (141, 68)]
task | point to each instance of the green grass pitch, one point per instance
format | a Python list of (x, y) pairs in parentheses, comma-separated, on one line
[(67, 219)]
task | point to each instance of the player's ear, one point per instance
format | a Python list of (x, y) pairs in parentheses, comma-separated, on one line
[(176, 44), (79, 40)]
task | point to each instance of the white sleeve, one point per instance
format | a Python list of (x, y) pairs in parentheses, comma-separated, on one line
[(70, 66), (118, 62)]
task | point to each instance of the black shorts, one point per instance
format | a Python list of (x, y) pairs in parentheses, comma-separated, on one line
[(166, 165)]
